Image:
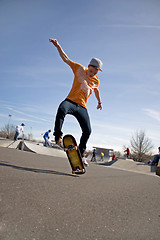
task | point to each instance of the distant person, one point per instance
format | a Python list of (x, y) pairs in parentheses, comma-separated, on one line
[(93, 159), (113, 157), (156, 158), (19, 129), (102, 156), (127, 152), (85, 82), (46, 137)]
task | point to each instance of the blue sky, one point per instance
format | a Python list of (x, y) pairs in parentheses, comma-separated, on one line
[(124, 34)]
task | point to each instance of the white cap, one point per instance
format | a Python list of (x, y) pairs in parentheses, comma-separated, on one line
[(95, 62)]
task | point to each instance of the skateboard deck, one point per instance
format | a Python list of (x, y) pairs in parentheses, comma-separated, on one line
[(73, 154)]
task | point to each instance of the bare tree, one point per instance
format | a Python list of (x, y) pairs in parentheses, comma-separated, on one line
[(141, 146), (30, 136), (7, 131)]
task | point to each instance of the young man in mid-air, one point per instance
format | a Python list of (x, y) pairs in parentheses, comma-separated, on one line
[(85, 82)]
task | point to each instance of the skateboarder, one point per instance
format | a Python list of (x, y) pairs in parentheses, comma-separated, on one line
[(18, 130), (85, 81), (46, 137), (127, 152)]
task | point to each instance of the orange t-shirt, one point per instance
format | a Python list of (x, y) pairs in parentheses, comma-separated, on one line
[(82, 87)]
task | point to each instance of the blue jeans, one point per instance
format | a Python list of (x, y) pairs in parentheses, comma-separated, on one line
[(46, 142), (81, 114), (16, 135)]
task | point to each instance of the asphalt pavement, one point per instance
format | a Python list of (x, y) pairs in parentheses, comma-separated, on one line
[(40, 199)]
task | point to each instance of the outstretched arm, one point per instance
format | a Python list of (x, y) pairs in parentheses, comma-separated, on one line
[(60, 50), (97, 94)]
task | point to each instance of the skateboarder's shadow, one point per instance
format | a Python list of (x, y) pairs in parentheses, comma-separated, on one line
[(37, 170)]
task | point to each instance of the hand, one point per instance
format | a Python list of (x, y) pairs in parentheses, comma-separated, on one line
[(54, 41), (99, 106)]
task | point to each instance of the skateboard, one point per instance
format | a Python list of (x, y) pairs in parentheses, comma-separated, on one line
[(73, 154)]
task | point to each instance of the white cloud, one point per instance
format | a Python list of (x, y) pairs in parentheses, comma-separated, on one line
[(28, 115), (152, 113)]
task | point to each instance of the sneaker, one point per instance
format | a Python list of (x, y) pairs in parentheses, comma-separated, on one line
[(58, 141), (85, 162), (78, 171)]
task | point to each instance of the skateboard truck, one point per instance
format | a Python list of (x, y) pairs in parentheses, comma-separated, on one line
[(78, 171), (70, 148)]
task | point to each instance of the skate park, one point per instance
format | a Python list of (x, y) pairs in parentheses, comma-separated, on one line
[(121, 163), (41, 199)]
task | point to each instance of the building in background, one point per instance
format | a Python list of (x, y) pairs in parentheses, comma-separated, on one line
[(108, 153)]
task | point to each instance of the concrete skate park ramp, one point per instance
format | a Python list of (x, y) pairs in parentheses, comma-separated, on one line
[(32, 147), (40, 149), (8, 143), (130, 165)]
